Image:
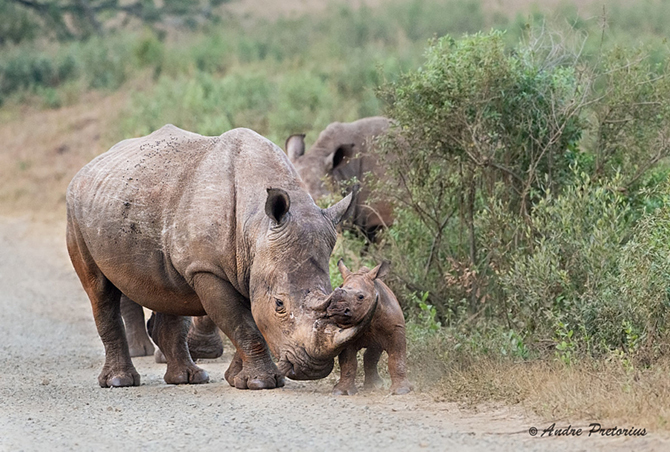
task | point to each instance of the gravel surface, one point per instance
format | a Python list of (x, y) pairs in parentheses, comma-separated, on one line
[(50, 357)]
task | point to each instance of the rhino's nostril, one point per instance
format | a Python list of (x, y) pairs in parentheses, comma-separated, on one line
[(347, 312)]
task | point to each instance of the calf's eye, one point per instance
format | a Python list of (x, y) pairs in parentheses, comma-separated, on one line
[(361, 296)]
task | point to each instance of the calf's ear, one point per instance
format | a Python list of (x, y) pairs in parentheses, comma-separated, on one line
[(344, 271), (380, 271), (277, 204), (340, 211)]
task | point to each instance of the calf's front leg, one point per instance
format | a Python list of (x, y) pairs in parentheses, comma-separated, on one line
[(348, 366)]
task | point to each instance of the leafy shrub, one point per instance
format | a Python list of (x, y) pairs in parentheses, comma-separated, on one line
[(483, 125), (520, 176), (16, 25)]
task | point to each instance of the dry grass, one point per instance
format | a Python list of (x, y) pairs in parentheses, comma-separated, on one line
[(43, 149), (587, 391)]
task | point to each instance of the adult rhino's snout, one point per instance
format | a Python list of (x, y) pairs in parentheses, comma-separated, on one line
[(336, 326), (313, 371)]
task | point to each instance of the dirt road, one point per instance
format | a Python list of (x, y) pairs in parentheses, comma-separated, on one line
[(50, 356)]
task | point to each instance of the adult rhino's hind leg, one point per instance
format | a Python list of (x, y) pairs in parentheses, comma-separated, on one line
[(203, 339), (138, 339), (230, 311), (105, 302), (169, 332)]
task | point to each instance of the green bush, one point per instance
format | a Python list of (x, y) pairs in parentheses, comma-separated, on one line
[(521, 175), (16, 24)]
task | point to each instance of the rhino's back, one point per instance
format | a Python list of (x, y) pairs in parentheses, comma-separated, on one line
[(151, 207)]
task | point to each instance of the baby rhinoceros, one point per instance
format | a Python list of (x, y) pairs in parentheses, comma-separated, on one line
[(386, 331)]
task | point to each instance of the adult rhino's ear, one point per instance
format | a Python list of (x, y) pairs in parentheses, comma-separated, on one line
[(277, 204), (379, 272), (341, 155), (340, 211), (295, 146)]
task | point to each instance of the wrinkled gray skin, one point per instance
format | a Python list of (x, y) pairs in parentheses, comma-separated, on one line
[(386, 331), (339, 154), (187, 225), (203, 337)]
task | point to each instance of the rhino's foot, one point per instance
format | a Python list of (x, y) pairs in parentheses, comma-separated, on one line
[(258, 380), (159, 357), (178, 375), (234, 368), (110, 378), (142, 347), (205, 346), (404, 387), (373, 382), (345, 389)]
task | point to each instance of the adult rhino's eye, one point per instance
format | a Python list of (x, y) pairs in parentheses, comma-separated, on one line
[(279, 304)]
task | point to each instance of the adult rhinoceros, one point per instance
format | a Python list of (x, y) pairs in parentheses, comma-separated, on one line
[(187, 225), (341, 153)]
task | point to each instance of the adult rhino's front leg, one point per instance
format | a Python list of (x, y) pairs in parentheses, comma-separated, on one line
[(203, 339), (231, 312)]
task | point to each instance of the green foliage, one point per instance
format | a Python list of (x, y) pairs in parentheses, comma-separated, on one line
[(523, 178), (16, 25), (67, 19)]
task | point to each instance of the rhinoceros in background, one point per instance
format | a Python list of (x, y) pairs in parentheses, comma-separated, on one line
[(187, 225), (340, 154)]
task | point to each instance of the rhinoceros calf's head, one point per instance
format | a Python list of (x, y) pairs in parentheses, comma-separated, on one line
[(290, 286)]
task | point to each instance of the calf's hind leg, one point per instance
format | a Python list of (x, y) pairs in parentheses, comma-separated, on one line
[(105, 302), (133, 317), (370, 361), (169, 332), (397, 352)]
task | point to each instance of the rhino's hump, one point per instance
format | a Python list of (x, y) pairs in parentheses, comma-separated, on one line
[(176, 202)]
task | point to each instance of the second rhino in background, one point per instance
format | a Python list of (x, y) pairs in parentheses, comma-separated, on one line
[(340, 154)]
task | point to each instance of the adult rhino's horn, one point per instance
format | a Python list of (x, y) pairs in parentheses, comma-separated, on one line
[(321, 305), (344, 208)]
